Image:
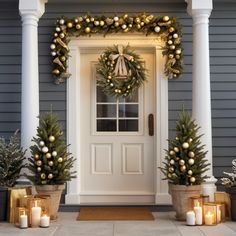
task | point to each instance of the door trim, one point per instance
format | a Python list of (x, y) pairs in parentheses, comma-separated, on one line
[(77, 46)]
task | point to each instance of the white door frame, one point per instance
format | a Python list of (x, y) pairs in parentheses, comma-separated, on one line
[(161, 107)]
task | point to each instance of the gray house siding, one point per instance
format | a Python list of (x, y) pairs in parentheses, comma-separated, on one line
[(223, 68)]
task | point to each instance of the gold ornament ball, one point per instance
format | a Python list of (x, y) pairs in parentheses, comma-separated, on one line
[(171, 169), (43, 176), (178, 51), (50, 163), (78, 26), (126, 30), (45, 149), (41, 143), (172, 153), (51, 138), (137, 20), (177, 158), (92, 19), (190, 140), (192, 179), (169, 175), (185, 145), (54, 153), (170, 42), (102, 23), (157, 29), (191, 161), (125, 16), (183, 168), (63, 58), (171, 56), (111, 84), (177, 138), (55, 34), (56, 72), (138, 26), (190, 172), (50, 176), (172, 47), (166, 18), (76, 20), (48, 155), (69, 25), (39, 163), (177, 57), (172, 161), (60, 159), (87, 20), (171, 29), (181, 162), (191, 154), (117, 24), (176, 149), (39, 169), (62, 35), (87, 30), (142, 23), (80, 19), (36, 156)]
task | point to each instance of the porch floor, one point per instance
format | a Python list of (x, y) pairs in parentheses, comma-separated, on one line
[(163, 225)]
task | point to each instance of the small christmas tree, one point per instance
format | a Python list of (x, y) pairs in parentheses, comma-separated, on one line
[(12, 157), (185, 161), (50, 162)]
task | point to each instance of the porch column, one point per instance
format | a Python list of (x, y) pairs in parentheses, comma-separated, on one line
[(200, 11), (30, 11)]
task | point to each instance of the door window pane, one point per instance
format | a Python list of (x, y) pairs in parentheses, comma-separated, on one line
[(128, 125), (106, 111), (106, 125), (128, 110), (132, 98), (102, 97)]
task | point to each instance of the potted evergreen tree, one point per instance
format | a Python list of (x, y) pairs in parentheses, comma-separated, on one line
[(185, 164), (230, 184), (12, 158), (50, 163)]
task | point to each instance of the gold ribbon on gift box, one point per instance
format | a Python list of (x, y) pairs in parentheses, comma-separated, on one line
[(15, 194)]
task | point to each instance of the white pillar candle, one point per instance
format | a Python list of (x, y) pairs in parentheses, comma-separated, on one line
[(23, 221), (35, 214), (198, 213), (44, 221), (209, 218), (190, 218)]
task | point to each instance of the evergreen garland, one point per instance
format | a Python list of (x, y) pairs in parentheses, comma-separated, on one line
[(165, 27), (50, 162), (185, 161), (113, 84), (12, 156)]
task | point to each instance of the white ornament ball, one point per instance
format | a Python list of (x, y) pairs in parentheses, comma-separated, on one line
[(39, 169), (190, 172), (62, 21), (175, 36), (185, 145), (51, 138), (172, 153), (45, 149), (36, 156), (124, 26), (96, 22), (50, 163), (54, 153), (58, 29), (157, 29), (41, 143), (60, 159), (53, 54), (191, 161), (191, 154), (176, 149), (116, 18), (192, 179), (172, 161), (190, 140), (50, 176)]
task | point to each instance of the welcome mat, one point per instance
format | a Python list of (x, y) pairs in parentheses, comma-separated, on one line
[(114, 213)]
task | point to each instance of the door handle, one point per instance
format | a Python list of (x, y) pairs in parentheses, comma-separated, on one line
[(150, 124)]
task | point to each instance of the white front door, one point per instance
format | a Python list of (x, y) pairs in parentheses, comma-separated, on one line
[(117, 151)]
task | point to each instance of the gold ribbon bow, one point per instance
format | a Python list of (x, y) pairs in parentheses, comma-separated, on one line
[(120, 69)]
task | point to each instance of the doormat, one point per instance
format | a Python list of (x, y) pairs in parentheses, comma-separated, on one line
[(115, 213)]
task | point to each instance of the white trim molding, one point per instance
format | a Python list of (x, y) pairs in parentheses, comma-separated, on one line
[(200, 11), (77, 46)]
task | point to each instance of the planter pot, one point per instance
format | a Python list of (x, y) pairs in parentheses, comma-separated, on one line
[(232, 194), (3, 203), (180, 198), (54, 191)]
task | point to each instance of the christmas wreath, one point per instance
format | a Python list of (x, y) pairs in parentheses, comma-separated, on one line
[(120, 70), (162, 26)]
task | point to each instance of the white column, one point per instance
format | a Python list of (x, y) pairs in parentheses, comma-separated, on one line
[(30, 11), (200, 11)]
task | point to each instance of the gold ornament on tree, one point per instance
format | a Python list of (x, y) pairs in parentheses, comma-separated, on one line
[(51, 138)]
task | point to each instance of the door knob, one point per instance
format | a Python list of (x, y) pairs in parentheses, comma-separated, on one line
[(150, 124)]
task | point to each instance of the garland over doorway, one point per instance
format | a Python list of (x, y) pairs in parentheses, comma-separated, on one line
[(165, 27)]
